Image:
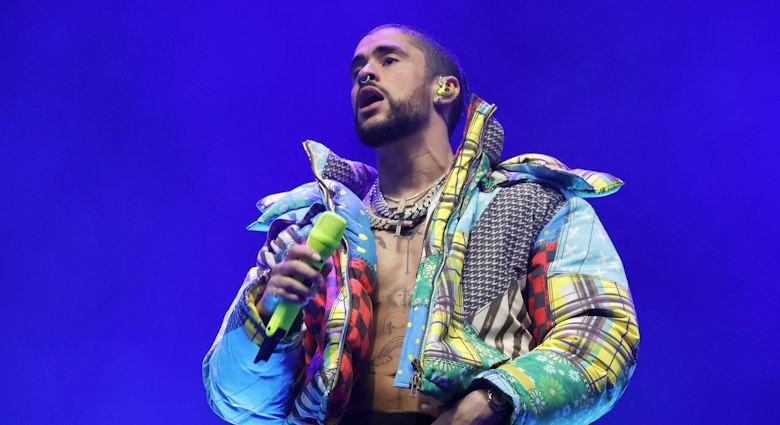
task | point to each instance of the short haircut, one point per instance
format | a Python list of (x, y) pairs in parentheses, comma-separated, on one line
[(439, 60)]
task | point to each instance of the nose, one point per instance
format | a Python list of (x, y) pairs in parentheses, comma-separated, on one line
[(365, 75), (364, 80)]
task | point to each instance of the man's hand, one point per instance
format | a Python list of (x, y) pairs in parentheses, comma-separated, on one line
[(474, 408), (292, 280)]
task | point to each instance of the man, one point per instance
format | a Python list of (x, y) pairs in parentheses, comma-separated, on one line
[(467, 290)]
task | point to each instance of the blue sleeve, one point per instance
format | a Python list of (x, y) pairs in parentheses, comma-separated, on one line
[(239, 390)]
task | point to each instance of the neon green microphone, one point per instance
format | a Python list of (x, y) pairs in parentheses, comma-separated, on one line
[(324, 238)]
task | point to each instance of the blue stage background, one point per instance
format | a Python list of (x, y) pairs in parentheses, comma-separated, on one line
[(135, 138)]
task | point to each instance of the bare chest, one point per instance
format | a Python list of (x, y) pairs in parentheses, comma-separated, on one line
[(397, 262)]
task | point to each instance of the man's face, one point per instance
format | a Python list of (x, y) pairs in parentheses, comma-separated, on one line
[(396, 102)]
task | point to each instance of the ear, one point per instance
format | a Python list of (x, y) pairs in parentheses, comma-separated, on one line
[(445, 90)]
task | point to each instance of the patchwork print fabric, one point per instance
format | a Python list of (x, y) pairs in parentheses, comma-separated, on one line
[(500, 243), (351, 174), (496, 266), (452, 353), (583, 322), (538, 295), (543, 168), (569, 341), (601, 345), (547, 389), (504, 323), (339, 317), (325, 396)]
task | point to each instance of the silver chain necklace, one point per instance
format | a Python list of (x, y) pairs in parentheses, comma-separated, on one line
[(385, 217)]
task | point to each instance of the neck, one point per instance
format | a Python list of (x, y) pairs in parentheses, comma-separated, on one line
[(412, 164)]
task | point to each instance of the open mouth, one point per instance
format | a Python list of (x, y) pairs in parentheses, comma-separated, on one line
[(368, 96)]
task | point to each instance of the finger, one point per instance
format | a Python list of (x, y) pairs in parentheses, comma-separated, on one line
[(297, 269), (289, 297), (280, 285), (278, 295), (303, 252)]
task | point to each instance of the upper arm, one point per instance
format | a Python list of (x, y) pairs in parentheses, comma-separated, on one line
[(578, 296)]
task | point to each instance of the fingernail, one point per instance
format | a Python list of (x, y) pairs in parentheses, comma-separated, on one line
[(425, 407), (317, 257)]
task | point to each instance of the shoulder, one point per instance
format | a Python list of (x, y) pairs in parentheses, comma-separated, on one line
[(519, 208), (527, 196)]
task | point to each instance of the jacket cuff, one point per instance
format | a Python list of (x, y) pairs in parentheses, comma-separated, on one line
[(495, 378), (253, 323)]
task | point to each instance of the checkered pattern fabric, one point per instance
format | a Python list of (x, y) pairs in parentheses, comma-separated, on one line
[(537, 294), (327, 364), (600, 345)]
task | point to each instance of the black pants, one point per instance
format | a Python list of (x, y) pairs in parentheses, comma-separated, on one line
[(379, 418)]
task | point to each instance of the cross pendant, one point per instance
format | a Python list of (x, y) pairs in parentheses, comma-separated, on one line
[(400, 211)]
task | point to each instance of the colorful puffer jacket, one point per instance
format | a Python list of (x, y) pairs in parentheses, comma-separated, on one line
[(560, 340)]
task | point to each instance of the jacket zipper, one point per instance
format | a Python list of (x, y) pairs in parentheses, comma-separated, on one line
[(415, 384)]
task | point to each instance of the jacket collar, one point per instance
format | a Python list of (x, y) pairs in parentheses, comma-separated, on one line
[(482, 128), (359, 177)]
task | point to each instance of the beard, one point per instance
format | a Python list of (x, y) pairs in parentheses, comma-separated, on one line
[(405, 117)]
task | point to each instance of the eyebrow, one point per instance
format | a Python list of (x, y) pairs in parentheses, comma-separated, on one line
[(381, 50)]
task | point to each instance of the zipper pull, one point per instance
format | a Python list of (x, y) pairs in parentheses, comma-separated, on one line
[(416, 382)]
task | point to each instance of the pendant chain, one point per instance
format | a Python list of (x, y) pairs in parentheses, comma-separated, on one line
[(402, 217)]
